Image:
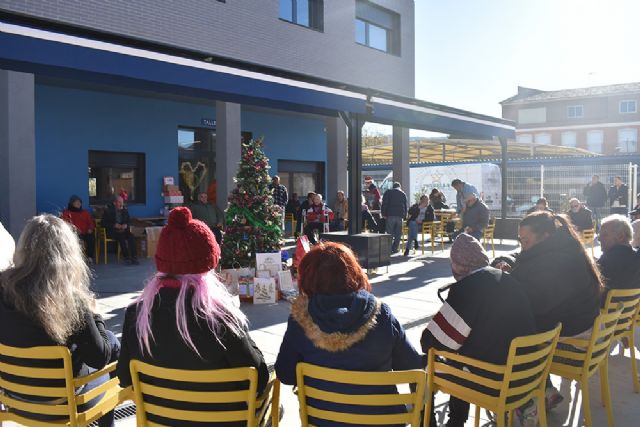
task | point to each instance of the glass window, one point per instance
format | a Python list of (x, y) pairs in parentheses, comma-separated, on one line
[(628, 107), (569, 139), (543, 138), (525, 138), (575, 111), (112, 173), (595, 141), (377, 27), (308, 13), (627, 140)]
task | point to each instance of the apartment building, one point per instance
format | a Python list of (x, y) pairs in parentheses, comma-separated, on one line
[(601, 119)]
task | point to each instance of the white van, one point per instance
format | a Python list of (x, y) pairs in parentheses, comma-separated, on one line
[(485, 177)]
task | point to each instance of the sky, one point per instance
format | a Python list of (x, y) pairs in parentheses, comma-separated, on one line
[(471, 54)]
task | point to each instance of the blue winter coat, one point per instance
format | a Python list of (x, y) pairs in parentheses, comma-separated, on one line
[(354, 331)]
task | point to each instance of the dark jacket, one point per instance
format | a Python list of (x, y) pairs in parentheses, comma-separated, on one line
[(620, 268), (90, 346), (170, 351), (109, 218), (394, 203), (481, 315), (414, 213), (596, 195), (208, 213), (354, 331), (557, 278), (476, 216), (619, 194), (581, 219)]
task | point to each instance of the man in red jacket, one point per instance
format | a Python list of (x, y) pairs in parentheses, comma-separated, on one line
[(83, 223)]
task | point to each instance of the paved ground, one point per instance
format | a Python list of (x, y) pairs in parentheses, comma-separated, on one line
[(410, 288)]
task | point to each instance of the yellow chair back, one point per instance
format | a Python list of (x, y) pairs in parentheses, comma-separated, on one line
[(504, 387), (289, 217), (55, 396), (308, 409), (178, 389), (579, 359)]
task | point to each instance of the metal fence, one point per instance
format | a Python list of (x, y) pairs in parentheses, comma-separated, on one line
[(559, 183)]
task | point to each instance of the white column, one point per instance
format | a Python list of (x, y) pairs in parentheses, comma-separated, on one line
[(17, 150), (228, 145), (336, 157)]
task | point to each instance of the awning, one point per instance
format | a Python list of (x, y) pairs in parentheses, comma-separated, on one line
[(57, 54), (430, 150)]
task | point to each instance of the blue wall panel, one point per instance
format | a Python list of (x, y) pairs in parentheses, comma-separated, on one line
[(70, 122)]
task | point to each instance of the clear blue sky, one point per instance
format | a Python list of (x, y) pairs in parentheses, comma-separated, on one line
[(471, 54)]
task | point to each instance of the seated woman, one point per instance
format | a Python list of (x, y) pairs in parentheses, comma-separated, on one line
[(185, 318), (416, 216), (318, 215), (559, 277), (336, 322), (341, 212), (84, 224), (484, 310), (47, 301)]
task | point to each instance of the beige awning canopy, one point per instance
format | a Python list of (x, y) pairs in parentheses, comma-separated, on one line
[(379, 151)]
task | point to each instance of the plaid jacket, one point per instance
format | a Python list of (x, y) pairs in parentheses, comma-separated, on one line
[(280, 196)]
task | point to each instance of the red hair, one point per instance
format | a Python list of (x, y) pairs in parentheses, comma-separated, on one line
[(331, 268)]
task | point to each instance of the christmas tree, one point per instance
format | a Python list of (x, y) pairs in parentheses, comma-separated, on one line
[(253, 220)]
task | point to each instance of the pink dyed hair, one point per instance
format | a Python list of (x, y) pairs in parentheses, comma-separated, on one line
[(210, 302)]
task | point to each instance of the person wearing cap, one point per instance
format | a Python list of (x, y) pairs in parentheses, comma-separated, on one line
[(185, 318), (475, 218), (463, 189), (83, 223), (580, 216), (619, 262), (484, 310), (371, 193)]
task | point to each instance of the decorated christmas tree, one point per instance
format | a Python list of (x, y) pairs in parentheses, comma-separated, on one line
[(253, 220)]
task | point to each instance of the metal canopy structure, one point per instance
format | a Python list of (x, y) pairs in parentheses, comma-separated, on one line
[(458, 150), (43, 48)]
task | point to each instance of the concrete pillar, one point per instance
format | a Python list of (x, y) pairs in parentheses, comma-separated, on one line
[(336, 157), (401, 158), (228, 145), (17, 150)]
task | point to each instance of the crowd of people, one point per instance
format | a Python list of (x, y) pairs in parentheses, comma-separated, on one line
[(186, 319)]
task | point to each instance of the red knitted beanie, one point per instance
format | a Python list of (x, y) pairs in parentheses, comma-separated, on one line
[(186, 245)]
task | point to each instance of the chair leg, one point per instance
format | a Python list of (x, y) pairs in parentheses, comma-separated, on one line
[(427, 409), (105, 252), (500, 419), (476, 421), (605, 391), (634, 364), (493, 248), (510, 421), (586, 404), (542, 410)]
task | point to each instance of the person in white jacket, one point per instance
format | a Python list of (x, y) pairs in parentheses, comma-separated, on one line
[(7, 248)]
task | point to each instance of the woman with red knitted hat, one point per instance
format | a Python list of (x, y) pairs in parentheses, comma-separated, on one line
[(185, 318)]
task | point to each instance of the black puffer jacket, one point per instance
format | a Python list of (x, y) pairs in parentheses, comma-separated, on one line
[(560, 284)]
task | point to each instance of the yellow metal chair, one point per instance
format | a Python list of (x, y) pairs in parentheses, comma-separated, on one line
[(101, 241), (258, 408), (430, 228), (578, 359), (349, 378), (487, 235), (523, 377), (441, 231), (404, 234), (292, 219), (63, 402), (630, 300), (588, 237)]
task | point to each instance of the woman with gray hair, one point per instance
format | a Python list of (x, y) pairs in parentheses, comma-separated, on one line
[(45, 297)]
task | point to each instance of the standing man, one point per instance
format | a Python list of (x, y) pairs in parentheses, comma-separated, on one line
[(618, 195), (210, 214), (463, 190), (476, 217), (116, 220), (596, 196), (394, 210), (280, 196)]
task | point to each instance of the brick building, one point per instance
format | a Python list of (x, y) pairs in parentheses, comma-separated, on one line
[(601, 119)]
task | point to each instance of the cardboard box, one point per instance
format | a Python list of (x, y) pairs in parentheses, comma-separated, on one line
[(153, 234), (174, 199)]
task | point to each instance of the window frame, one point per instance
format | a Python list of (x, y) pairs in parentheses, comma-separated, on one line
[(525, 136), (635, 141), (601, 142), (574, 107), (392, 29), (316, 14), (567, 133), (537, 136), (628, 101), (139, 170)]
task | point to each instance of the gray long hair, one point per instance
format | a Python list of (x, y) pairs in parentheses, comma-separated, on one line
[(50, 280)]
